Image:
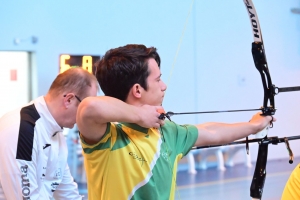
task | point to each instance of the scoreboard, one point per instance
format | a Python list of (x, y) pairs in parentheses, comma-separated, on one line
[(87, 62)]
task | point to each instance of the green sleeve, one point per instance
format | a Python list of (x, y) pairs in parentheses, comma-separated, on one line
[(180, 138)]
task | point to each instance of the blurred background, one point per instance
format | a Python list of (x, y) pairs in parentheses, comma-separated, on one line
[(205, 47)]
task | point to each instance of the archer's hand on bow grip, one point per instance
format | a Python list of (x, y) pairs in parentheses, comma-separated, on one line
[(264, 132)]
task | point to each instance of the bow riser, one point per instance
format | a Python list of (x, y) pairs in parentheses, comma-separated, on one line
[(261, 65)]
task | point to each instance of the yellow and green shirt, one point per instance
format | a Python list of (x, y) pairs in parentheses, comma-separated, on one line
[(292, 188), (132, 162)]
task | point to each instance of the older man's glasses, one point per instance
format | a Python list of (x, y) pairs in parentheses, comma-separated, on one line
[(75, 97)]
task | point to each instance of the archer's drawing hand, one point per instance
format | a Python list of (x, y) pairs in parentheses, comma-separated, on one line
[(261, 121), (149, 116)]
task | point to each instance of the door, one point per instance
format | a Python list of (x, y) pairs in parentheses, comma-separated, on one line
[(15, 80)]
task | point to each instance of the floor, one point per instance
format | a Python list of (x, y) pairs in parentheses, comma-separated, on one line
[(232, 184)]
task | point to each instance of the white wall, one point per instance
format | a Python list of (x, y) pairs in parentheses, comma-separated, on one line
[(213, 70)]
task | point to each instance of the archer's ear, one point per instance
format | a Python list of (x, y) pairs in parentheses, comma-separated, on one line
[(136, 90), (67, 99)]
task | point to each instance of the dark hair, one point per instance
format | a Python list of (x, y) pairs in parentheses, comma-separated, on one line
[(76, 80), (120, 68)]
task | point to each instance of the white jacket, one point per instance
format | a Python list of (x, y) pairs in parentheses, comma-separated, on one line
[(33, 156)]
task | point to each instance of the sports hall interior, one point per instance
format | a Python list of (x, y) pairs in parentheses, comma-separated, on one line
[(207, 64)]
